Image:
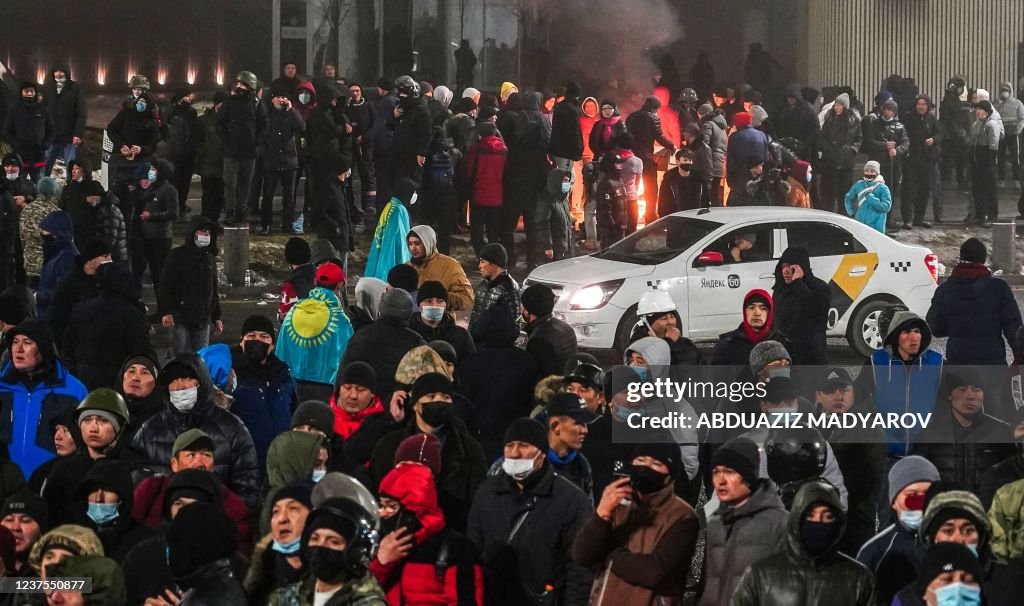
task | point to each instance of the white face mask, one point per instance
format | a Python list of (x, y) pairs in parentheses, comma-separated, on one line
[(12, 176), (202, 241), (184, 399), (304, 98), (518, 469)]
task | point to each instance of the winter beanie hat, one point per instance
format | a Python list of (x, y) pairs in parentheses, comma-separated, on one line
[(422, 448), (538, 300), (403, 276), (525, 429), (258, 323), (973, 251), (396, 304), (358, 373), (316, 414), (494, 253), (301, 492), (843, 100), (947, 557), (951, 505), (765, 352), (873, 165), (431, 289), (297, 252), (985, 105), (741, 456), (25, 503), (742, 120), (909, 470)]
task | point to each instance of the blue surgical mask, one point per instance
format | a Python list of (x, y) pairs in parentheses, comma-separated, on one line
[(432, 313), (304, 98), (151, 175), (102, 513), (623, 413), (957, 594), (287, 548), (784, 413), (140, 106), (566, 187), (780, 372), (318, 474), (911, 519), (642, 371)]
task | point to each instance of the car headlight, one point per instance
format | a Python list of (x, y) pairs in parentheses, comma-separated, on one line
[(594, 296)]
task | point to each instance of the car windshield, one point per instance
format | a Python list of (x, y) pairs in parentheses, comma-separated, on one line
[(660, 241)]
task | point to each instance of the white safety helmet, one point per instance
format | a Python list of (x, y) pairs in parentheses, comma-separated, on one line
[(655, 302)]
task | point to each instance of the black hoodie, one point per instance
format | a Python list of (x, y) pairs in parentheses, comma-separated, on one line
[(140, 409), (123, 533), (104, 330), (67, 109), (188, 283), (801, 309), (234, 457)]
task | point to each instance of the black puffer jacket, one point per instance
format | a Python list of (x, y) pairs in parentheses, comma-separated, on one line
[(68, 110), (520, 564), (840, 140), (964, 454), (160, 200), (501, 292), (242, 123), (382, 345), (713, 128), (210, 147), (284, 127), (498, 379), (129, 127), (75, 287), (234, 456), (878, 133), (182, 124), (566, 132), (645, 126), (111, 226), (448, 331), (551, 342), (188, 283), (795, 577), (213, 584), (801, 309), (104, 330), (29, 130), (977, 311)]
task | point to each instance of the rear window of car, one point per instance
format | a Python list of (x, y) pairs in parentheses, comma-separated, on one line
[(660, 241), (823, 239)]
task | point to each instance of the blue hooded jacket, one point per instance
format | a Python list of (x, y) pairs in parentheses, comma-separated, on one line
[(59, 254), (28, 405)]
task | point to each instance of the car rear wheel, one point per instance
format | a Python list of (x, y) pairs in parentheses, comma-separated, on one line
[(863, 334)]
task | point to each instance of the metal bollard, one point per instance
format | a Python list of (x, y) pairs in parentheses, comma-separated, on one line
[(1004, 247), (236, 254)]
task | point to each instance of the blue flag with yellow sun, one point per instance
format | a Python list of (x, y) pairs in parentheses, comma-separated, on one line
[(314, 336), (388, 247)]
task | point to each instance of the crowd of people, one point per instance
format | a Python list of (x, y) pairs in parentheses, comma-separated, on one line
[(429, 442)]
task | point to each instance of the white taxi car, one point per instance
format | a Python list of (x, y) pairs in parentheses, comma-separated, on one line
[(689, 255)]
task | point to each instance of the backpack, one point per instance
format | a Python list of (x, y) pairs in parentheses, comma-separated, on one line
[(440, 177)]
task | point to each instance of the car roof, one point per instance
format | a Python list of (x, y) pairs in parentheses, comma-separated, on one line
[(760, 213)]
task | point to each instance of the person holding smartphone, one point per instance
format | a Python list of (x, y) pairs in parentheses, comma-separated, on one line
[(641, 536)]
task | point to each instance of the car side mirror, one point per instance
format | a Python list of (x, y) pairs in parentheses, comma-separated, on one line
[(709, 259)]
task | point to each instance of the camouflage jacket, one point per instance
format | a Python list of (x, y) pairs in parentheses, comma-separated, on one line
[(31, 241), (1005, 516), (364, 592)]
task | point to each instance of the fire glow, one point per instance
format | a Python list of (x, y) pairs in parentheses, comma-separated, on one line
[(101, 73), (40, 75), (220, 74), (191, 73), (161, 75)]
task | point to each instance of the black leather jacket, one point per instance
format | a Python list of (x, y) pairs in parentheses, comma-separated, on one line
[(503, 292)]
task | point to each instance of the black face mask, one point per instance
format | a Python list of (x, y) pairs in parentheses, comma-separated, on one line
[(435, 414), (327, 565), (256, 351), (403, 519), (645, 480), (817, 537)]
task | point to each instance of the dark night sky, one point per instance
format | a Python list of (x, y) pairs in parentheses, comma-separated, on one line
[(145, 34)]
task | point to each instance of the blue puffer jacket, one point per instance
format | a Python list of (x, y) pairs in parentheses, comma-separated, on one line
[(264, 399), (59, 255), (744, 145), (976, 312), (905, 387), (28, 406), (870, 208)]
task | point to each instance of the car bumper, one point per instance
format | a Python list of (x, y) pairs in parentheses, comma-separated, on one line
[(919, 299), (594, 329)]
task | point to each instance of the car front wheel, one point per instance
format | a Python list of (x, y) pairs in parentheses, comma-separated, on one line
[(863, 333)]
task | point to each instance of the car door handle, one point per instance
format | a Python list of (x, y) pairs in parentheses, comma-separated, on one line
[(766, 276), (859, 270)]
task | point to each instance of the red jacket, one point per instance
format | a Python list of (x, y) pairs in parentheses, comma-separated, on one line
[(148, 508), (485, 171), (346, 424), (417, 580)]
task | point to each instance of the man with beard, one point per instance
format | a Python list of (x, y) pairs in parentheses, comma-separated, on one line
[(432, 265)]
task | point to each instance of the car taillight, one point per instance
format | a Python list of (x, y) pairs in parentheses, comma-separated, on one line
[(931, 261)]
